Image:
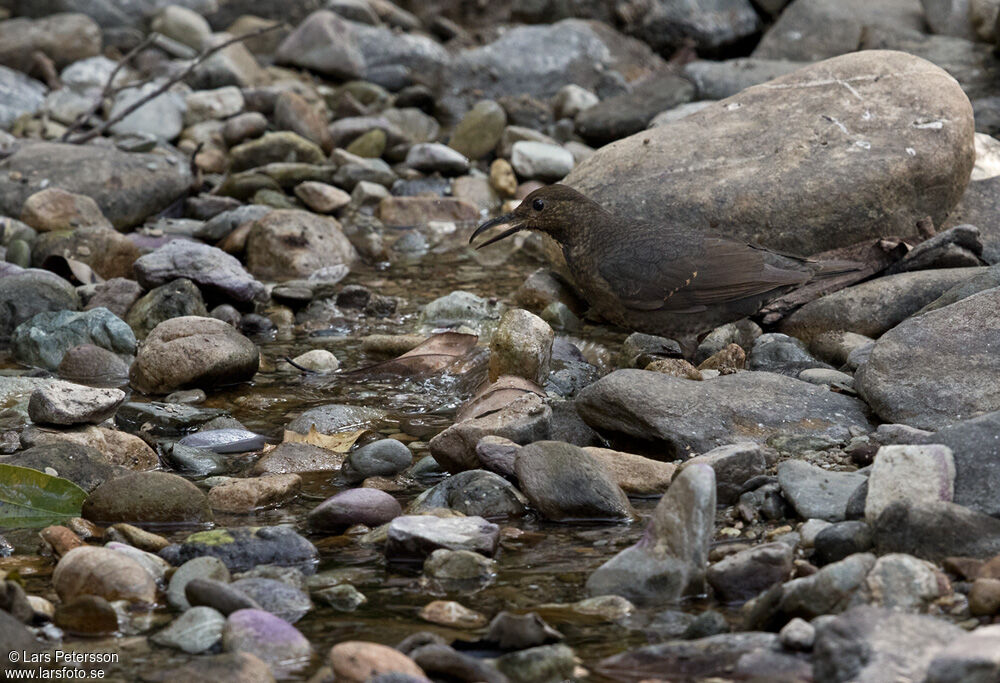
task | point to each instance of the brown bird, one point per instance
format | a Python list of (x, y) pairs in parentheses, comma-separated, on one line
[(663, 279)]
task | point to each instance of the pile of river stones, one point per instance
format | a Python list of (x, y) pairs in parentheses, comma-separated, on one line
[(828, 486)]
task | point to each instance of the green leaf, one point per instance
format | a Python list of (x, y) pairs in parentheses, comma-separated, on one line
[(31, 498)]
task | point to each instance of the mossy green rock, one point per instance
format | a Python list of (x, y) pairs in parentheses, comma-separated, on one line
[(274, 147), (148, 497), (479, 131), (370, 145), (243, 548)]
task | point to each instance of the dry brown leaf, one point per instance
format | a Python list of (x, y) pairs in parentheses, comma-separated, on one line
[(497, 396), (340, 442), (438, 353)]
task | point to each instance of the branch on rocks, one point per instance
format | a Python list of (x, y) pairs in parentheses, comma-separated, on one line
[(47, 69), (847, 266), (169, 83)]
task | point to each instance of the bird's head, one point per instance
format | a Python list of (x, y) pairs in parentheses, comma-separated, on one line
[(558, 211)]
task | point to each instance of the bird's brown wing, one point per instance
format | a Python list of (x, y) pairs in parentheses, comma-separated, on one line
[(721, 271)]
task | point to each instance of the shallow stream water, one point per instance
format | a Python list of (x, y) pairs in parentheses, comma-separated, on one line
[(544, 563)]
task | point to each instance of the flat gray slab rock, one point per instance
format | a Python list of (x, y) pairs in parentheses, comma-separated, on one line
[(938, 368), (127, 187), (416, 536), (816, 493), (849, 149), (695, 417), (934, 531), (65, 403)]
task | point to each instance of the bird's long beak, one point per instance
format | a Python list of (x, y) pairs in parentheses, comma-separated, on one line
[(508, 219)]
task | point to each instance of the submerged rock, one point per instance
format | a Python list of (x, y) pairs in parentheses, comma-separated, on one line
[(565, 483)]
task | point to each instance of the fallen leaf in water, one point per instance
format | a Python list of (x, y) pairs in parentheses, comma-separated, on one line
[(438, 353), (340, 442), (497, 396)]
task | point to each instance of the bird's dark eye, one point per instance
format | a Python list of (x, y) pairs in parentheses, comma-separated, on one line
[(538, 205)]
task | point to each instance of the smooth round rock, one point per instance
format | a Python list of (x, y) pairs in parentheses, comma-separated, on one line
[(272, 639), (355, 661), (198, 568), (382, 458), (147, 497), (367, 506), (894, 145), (192, 351), (90, 570)]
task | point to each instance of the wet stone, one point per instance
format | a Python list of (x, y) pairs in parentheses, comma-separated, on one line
[(277, 597), (416, 536), (670, 559), (207, 567), (384, 457), (474, 492), (242, 548), (194, 632), (272, 639), (367, 506)]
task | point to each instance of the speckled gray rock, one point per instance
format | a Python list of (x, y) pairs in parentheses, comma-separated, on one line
[(474, 492), (212, 269), (916, 474), (694, 417), (889, 189), (938, 368), (64, 403), (816, 493), (193, 351), (870, 644)]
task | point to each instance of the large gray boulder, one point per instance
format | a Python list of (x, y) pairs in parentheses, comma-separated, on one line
[(127, 187), (539, 60), (686, 417), (938, 368), (810, 30), (849, 149)]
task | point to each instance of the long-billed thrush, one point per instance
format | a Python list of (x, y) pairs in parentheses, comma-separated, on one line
[(664, 279)]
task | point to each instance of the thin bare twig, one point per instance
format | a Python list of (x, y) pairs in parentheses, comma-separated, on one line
[(109, 88), (170, 82)]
